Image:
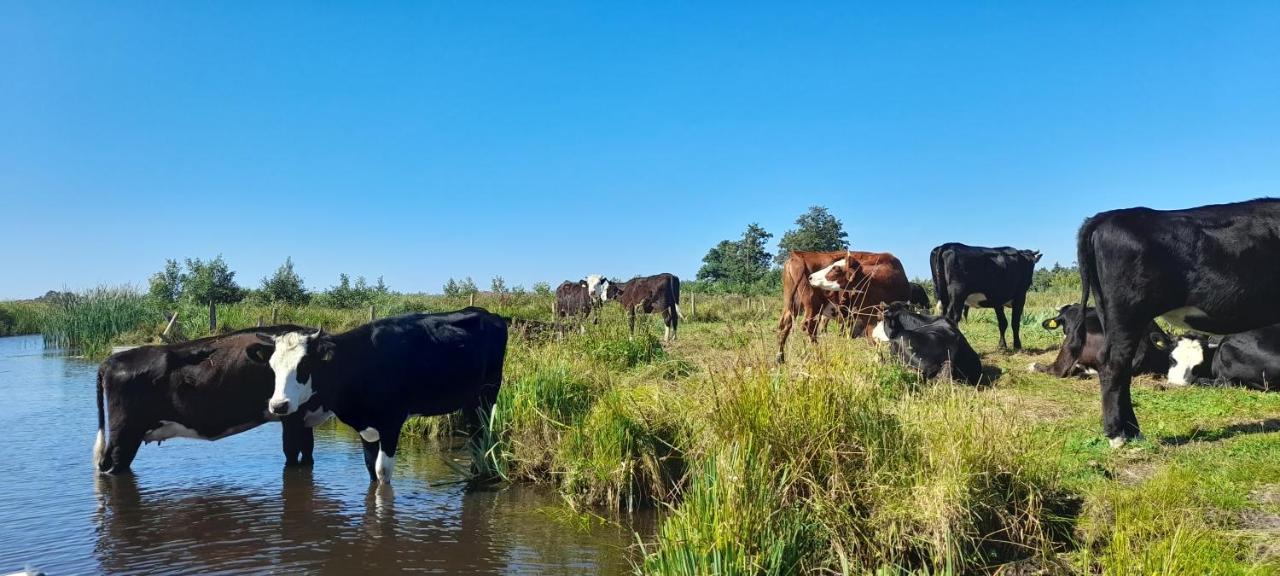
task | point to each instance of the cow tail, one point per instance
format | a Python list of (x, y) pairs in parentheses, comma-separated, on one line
[(939, 279), (100, 444), (1087, 261)]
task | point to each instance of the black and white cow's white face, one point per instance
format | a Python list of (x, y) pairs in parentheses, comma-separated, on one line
[(1189, 358), (293, 359), (598, 287)]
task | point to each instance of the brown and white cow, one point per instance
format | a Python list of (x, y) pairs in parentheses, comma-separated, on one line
[(850, 285)]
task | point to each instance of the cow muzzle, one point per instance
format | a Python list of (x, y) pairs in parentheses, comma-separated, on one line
[(278, 407)]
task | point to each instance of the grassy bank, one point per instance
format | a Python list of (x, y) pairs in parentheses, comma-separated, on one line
[(840, 462)]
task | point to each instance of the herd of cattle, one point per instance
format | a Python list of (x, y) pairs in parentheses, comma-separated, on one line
[(1214, 270)]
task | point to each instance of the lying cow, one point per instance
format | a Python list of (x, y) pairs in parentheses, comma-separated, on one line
[(849, 285), (1150, 359), (930, 344), (1250, 359), (1210, 269), (377, 375), (648, 294), (966, 276), (207, 389)]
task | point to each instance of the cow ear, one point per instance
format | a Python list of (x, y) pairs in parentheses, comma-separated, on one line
[(1050, 324), (1212, 344), (324, 349), (260, 353)]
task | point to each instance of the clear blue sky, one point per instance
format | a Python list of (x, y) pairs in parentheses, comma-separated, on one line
[(547, 141)]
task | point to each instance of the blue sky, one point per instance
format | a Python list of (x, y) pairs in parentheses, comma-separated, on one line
[(422, 141)]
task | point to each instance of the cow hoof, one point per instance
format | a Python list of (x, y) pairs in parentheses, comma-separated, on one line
[(1120, 441)]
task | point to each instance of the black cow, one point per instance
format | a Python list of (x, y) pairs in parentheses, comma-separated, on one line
[(988, 277), (580, 299), (206, 389), (375, 376), (919, 296), (1210, 269), (931, 344), (658, 293), (1248, 358), (1150, 359)]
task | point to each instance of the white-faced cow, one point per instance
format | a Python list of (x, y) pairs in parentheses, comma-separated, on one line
[(851, 286), (583, 298), (1150, 359), (648, 294), (930, 344), (1211, 269), (965, 276), (207, 389), (1250, 359), (375, 376)]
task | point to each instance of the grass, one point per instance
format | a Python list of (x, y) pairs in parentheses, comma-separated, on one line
[(840, 462)]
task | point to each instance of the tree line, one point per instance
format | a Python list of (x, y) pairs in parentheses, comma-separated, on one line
[(201, 282), (746, 266)]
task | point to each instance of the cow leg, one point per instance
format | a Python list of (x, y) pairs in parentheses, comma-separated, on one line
[(674, 320), (122, 446), (631, 321), (1119, 422), (370, 458), (785, 324), (1018, 304), (386, 460), (955, 305), (1002, 323), (298, 440)]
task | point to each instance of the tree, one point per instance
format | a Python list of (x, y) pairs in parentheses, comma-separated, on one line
[(211, 281), (542, 288), (166, 285), (285, 285), (498, 286), (451, 288), (818, 231), (738, 263)]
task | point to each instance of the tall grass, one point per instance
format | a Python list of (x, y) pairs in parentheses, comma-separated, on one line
[(88, 322), (18, 318)]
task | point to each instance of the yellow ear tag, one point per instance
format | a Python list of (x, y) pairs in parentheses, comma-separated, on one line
[(1053, 324)]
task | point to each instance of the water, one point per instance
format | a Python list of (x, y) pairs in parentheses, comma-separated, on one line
[(230, 507)]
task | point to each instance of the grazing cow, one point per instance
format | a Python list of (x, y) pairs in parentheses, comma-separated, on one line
[(966, 276), (207, 389), (375, 376), (1150, 359), (847, 284), (1248, 358), (648, 294), (931, 344), (919, 296), (1210, 269)]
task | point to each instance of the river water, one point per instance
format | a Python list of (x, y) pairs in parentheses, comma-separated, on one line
[(230, 506)]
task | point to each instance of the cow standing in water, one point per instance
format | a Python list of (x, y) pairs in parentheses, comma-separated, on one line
[(1211, 269), (966, 276), (852, 286), (205, 389), (648, 294), (377, 375)]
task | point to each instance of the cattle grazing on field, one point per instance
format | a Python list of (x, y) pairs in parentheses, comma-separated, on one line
[(850, 285), (919, 296), (1249, 359), (658, 293), (1150, 359), (205, 389), (931, 344), (377, 375), (573, 300), (1210, 269), (965, 276)]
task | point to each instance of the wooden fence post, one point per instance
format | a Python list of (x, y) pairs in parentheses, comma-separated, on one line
[(274, 312), (372, 313), (693, 309), (213, 317), (471, 299), (259, 320), (174, 318)]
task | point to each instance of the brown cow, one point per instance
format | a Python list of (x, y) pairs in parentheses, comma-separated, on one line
[(658, 293), (851, 285)]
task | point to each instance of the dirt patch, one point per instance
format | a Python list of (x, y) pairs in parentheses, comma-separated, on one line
[(1135, 471)]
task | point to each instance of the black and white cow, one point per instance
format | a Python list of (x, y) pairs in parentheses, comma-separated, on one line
[(966, 276), (1210, 269), (1150, 359), (931, 344), (206, 389), (582, 298), (1250, 359), (375, 376)]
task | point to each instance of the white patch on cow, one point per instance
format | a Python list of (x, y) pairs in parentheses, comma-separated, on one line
[(1117, 442), (666, 333), (819, 279), (1178, 316), (99, 449), (1188, 354), (974, 300), (290, 350), (383, 467), (598, 287), (879, 334), (169, 430), (937, 308), (315, 418), (370, 435), (1090, 372), (1031, 367)]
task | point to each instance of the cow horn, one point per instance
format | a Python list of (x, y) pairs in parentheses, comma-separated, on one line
[(265, 338), (315, 334)]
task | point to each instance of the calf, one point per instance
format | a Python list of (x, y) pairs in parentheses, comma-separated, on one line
[(1250, 359), (986, 277), (648, 294), (930, 344), (207, 389), (848, 284), (1150, 359), (375, 376), (919, 297), (1210, 269)]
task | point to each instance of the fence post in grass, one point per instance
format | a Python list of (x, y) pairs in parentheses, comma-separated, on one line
[(471, 299), (259, 320), (172, 318), (213, 316), (372, 313), (274, 312), (693, 308)]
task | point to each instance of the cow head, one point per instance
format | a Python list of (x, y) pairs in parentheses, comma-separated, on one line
[(1032, 255), (1066, 314), (598, 287), (294, 357), (1190, 356), (890, 325), (839, 276)]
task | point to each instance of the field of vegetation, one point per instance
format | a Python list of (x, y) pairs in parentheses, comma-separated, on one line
[(839, 461)]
